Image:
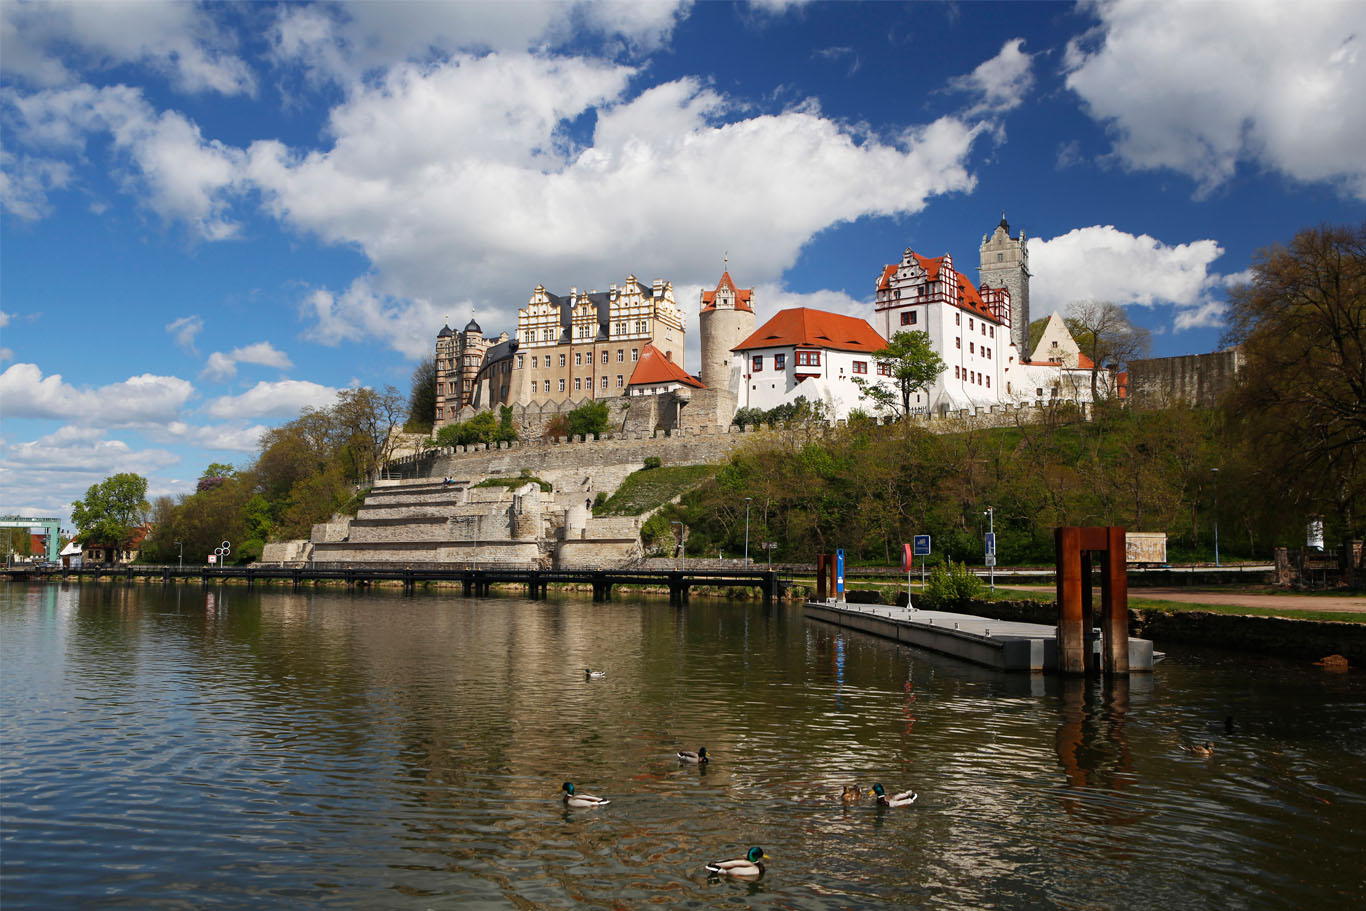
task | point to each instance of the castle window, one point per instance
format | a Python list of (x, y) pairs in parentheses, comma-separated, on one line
[(547, 360), (547, 385), (621, 381), (984, 328), (969, 324), (578, 358), (958, 343), (562, 385), (908, 318), (884, 369), (993, 332), (955, 373), (988, 382), (635, 354), (758, 363), (578, 383), (860, 366), (561, 360), (808, 358), (1000, 257), (972, 348), (780, 362), (604, 357), (604, 381), (521, 359), (958, 319), (621, 355)]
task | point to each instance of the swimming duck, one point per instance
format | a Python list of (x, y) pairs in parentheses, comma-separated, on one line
[(1203, 750), (904, 799), (571, 799), (748, 867), (700, 757), (851, 793), (590, 674)]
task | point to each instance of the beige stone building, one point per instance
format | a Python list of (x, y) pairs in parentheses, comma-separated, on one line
[(571, 348)]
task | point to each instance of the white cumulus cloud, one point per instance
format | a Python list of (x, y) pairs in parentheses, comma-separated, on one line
[(26, 393), (283, 399), (999, 84), (1102, 262), (222, 366), (461, 186), (52, 43), (1203, 87)]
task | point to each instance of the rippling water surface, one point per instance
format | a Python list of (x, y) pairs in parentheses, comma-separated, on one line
[(177, 748)]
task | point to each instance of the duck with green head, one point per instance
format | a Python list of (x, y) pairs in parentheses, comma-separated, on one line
[(748, 867), (904, 799), (574, 799), (700, 757)]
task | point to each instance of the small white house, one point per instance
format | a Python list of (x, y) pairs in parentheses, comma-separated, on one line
[(811, 354)]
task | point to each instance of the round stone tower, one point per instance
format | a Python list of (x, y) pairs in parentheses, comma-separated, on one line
[(726, 319)]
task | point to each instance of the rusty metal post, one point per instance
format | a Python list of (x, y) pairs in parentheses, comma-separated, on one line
[(1114, 588), (820, 576), (1071, 659)]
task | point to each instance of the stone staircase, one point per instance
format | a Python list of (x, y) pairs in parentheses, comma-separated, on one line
[(429, 521)]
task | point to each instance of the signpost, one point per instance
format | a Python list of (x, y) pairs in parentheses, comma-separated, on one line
[(921, 548), (991, 545), (220, 554)]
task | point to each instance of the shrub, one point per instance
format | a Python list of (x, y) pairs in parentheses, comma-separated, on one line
[(951, 587), (589, 419), (652, 462)]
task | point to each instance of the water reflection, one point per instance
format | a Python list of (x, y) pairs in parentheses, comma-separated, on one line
[(372, 751), (1093, 750)]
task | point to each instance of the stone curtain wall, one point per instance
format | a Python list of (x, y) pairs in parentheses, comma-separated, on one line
[(1192, 379)]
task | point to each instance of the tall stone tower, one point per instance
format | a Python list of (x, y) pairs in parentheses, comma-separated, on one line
[(458, 358), (726, 319), (1005, 264)]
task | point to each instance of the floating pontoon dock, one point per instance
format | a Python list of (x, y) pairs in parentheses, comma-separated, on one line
[(1005, 645)]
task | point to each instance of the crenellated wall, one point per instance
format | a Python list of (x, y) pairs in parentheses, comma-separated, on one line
[(1191, 379)]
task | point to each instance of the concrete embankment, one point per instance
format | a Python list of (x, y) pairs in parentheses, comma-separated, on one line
[(1313, 639)]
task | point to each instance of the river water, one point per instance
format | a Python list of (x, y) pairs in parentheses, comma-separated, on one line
[(182, 748)]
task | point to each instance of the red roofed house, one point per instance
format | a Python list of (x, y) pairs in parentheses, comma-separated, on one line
[(655, 374), (812, 354), (1058, 370)]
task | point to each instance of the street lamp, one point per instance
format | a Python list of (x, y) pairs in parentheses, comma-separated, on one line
[(1215, 472), (681, 554), (991, 537), (747, 499), (181, 545)]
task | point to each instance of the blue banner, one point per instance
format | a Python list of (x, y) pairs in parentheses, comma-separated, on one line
[(839, 573)]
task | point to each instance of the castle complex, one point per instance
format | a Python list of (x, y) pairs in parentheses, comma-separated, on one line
[(628, 342)]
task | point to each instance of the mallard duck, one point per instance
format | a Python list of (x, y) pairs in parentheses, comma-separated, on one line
[(700, 757), (904, 799), (1203, 750), (851, 793), (591, 674), (748, 867), (571, 799)]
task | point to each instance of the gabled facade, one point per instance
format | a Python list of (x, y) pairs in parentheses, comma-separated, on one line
[(811, 354), (967, 326), (581, 346)]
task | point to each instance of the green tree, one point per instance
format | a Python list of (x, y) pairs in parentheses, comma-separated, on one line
[(215, 474), (589, 419), (111, 510), (914, 365), (1301, 323), (422, 398)]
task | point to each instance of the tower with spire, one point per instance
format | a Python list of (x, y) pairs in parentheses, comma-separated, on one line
[(725, 319), (1005, 264)]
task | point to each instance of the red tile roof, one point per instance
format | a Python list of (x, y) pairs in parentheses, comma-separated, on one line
[(654, 367), (816, 329), (970, 297), (742, 297)]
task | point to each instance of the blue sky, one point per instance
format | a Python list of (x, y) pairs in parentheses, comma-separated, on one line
[(215, 215)]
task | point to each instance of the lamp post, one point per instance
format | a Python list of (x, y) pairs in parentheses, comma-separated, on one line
[(747, 499), (181, 545), (681, 554), (1215, 472)]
